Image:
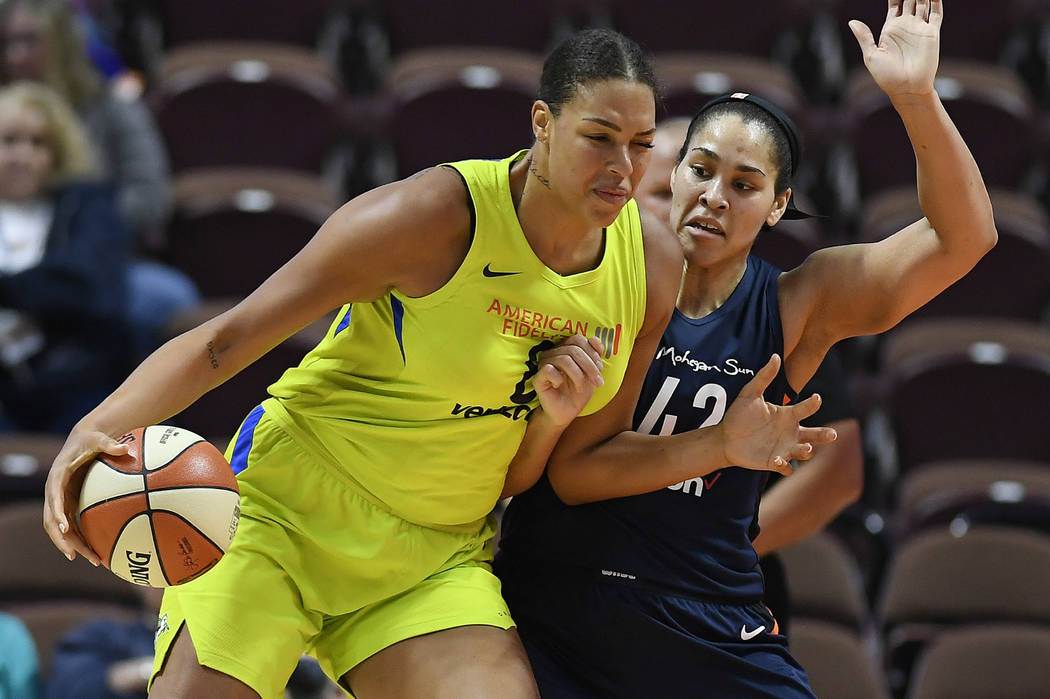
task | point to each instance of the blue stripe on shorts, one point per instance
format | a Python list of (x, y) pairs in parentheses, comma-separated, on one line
[(239, 461)]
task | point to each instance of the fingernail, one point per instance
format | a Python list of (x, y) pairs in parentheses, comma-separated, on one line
[(94, 563), (69, 556)]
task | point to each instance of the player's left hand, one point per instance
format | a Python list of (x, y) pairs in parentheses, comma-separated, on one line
[(567, 377), (761, 436), (904, 62)]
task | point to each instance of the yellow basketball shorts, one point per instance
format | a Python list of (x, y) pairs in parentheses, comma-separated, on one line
[(316, 567)]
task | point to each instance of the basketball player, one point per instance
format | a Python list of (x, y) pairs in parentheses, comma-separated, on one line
[(478, 291), (630, 575), (792, 509)]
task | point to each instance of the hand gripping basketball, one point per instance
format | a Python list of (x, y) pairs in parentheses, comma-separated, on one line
[(164, 513)]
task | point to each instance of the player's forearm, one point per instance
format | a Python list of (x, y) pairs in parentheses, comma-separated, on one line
[(631, 464), (951, 191), (535, 449), (169, 380), (798, 507)]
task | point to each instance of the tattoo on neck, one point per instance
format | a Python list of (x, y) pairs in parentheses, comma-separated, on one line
[(211, 355), (543, 180)]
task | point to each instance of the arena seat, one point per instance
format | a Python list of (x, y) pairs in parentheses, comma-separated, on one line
[(33, 570), (946, 578), (418, 24), (483, 96), (1011, 280), (231, 228), (992, 109), (984, 661), (839, 664), (825, 582), (248, 104), (25, 459), (967, 388), (977, 491)]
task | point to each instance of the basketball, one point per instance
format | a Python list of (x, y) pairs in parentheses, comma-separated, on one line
[(163, 514)]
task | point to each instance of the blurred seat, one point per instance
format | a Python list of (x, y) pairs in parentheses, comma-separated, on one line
[(33, 570), (216, 415), (419, 24), (992, 109), (233, 227), (789, 244), (690, 78), (942, 578), (984, 661), (25, 459), (980, 491), (49, 621), (838, 663), (451, 104), (1012, 280), (666, 25), (825, 582), (967, 389), (972, 28), (303, 22), (235, 103)]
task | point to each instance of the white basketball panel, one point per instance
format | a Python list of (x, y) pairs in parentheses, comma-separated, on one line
[(216, 512), (162, 443), (134, 555), (105, 483)]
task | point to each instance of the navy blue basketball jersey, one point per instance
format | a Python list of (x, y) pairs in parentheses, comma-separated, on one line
[(694, 537)]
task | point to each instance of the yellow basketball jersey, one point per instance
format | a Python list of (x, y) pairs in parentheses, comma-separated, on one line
[(422, 402)]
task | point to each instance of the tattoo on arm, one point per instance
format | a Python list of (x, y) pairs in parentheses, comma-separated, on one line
[(212, 359), (543, 180)]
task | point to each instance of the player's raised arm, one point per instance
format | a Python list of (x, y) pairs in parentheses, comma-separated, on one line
[(865, 289), (410, 235)]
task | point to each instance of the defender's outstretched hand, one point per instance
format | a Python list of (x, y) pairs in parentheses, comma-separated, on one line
[(567, 377), (762, 436), (905, 59)]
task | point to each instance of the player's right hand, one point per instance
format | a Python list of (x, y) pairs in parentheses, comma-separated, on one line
[(759, 435), (62, 490), (567, 377)]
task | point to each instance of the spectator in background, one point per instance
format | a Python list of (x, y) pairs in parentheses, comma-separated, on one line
[(111, 659), (795, 508), (19, 678), (43, 41), (63, 266)]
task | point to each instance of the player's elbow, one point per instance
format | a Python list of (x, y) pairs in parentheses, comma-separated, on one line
[(564, 486), (989, 236)]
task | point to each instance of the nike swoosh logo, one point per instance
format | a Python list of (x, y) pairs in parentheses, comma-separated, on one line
[(746, 635), (489, 273)]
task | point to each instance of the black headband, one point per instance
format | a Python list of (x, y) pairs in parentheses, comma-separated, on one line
[(787, 125)]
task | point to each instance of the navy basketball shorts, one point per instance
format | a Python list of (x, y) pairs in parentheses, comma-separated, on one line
[(615, 639)]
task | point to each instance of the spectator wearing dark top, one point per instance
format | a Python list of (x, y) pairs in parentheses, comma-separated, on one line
[(43, 41), (63, 265)]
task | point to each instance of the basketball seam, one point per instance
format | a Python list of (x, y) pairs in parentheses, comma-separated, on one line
[(196, 486), (145, 469), (149, 506), (116, 539), (114, 498)]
